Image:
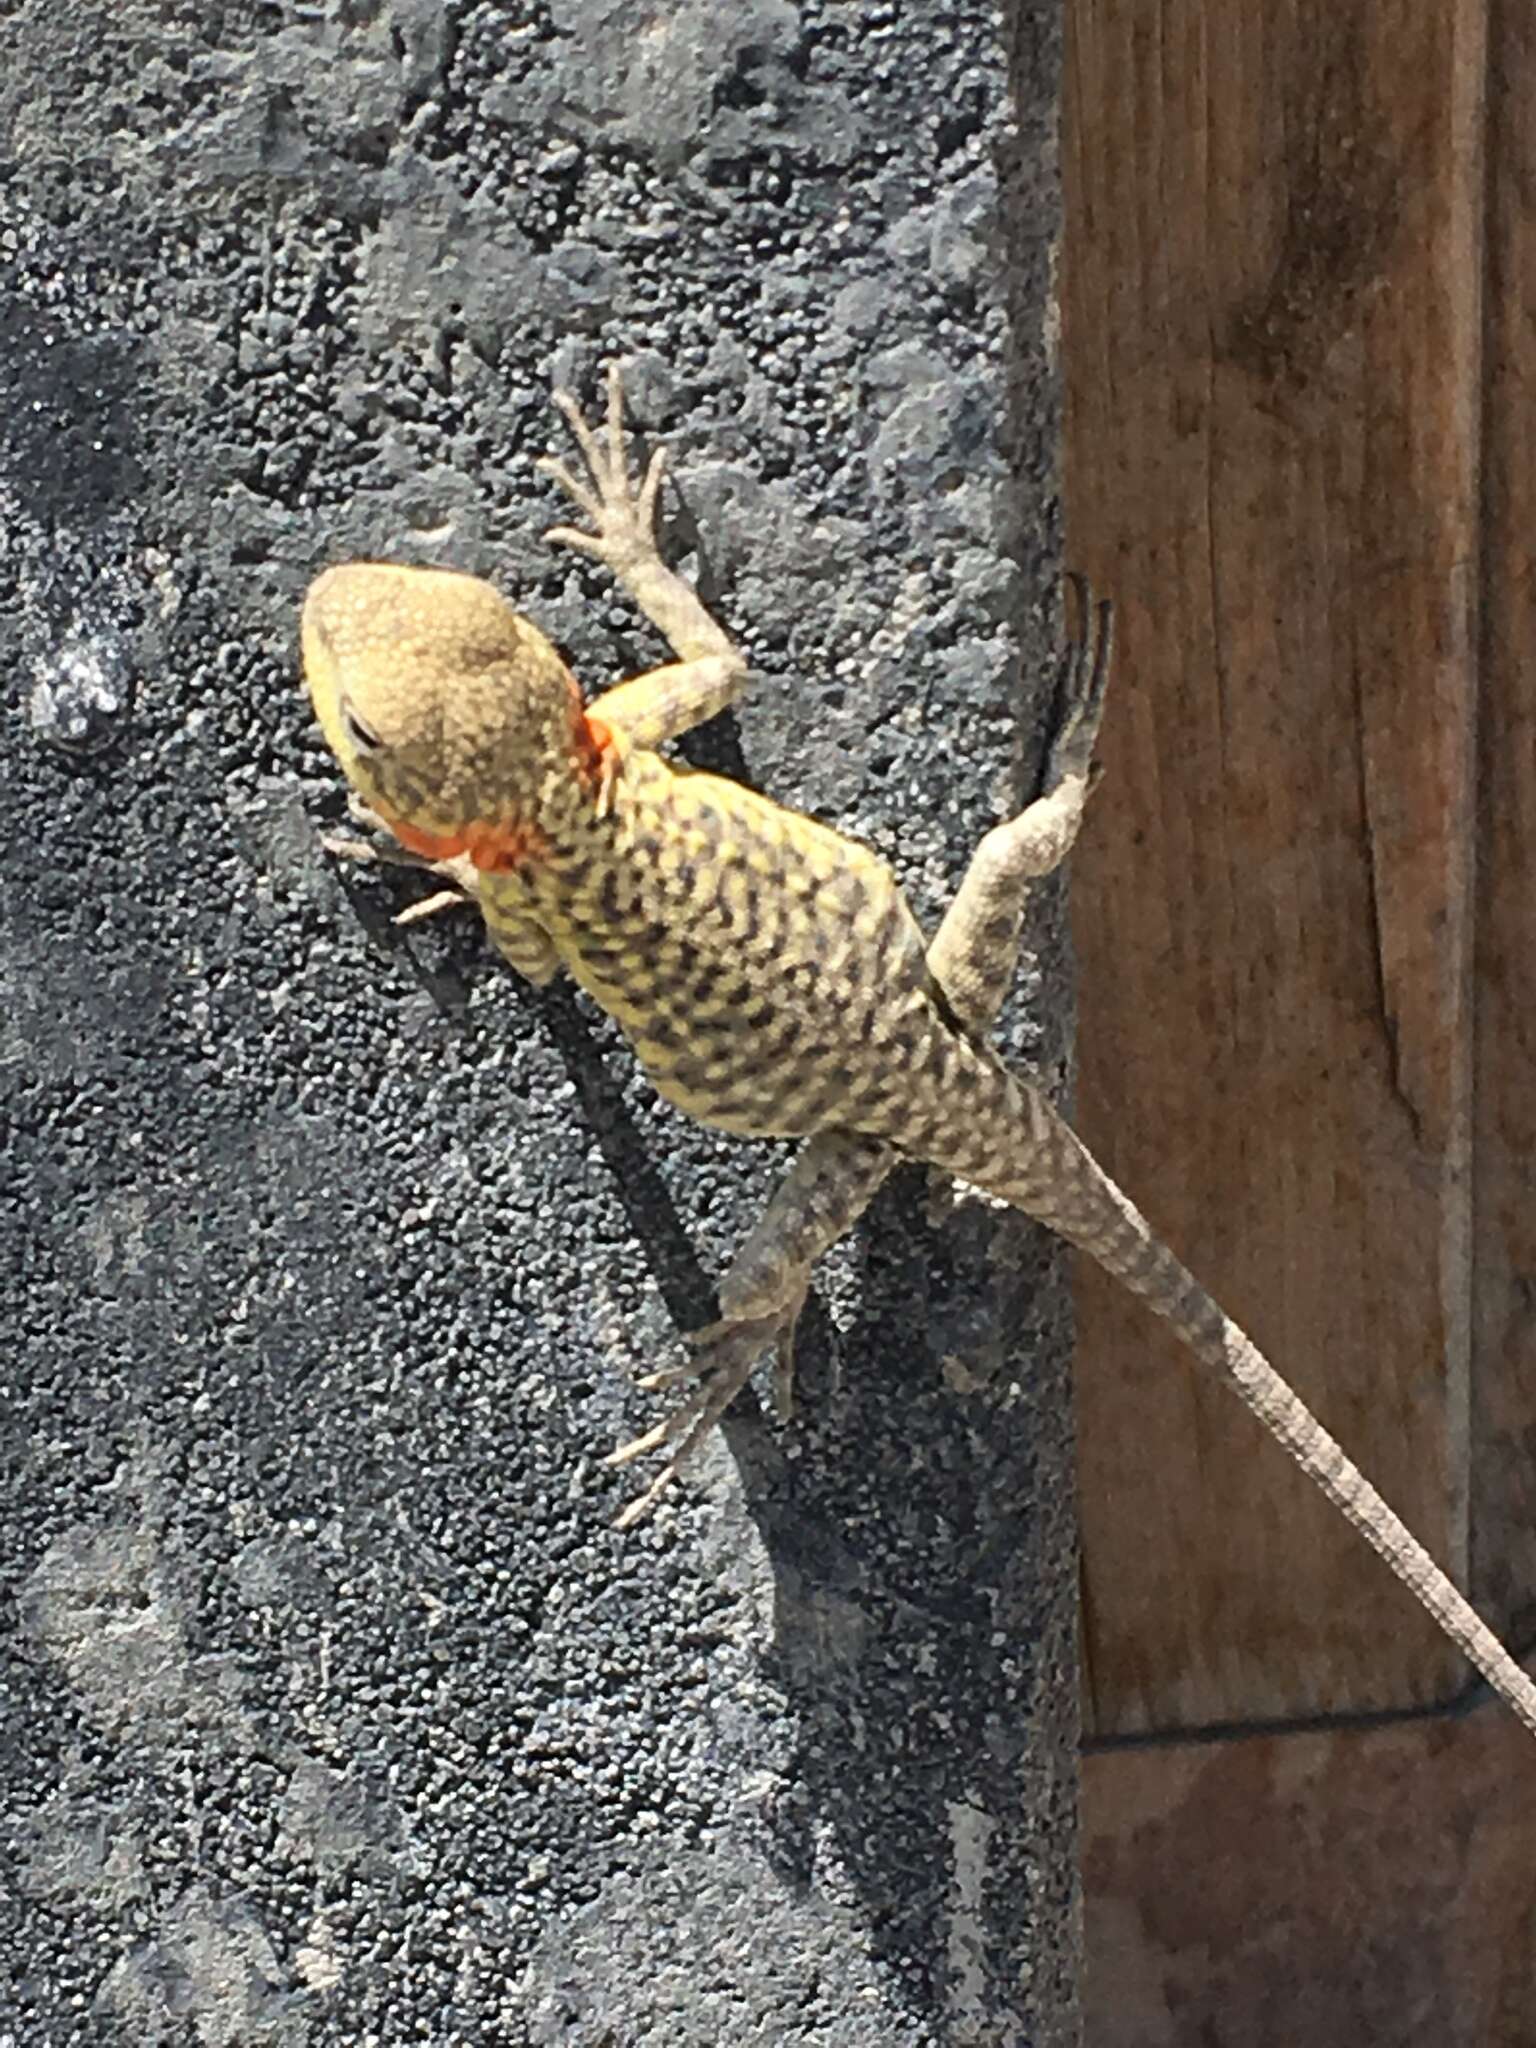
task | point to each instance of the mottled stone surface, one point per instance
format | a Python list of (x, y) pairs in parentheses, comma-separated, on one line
[(332, 1711)]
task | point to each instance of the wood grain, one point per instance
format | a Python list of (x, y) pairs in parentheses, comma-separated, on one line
[(1503, 1489), (1359, 1889), (1273, 348)]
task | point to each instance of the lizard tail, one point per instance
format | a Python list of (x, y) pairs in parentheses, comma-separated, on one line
[(1064, 1187)]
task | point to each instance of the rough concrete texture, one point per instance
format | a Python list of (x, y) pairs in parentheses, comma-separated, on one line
[(334, 1710)]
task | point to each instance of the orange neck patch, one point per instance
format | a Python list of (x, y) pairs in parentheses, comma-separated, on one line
[(597, 758), (494, 849), (503, 849)]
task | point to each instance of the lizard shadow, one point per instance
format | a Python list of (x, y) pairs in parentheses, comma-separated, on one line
[(918, 1634), (643, 1194), (687, 1288), (907, 1643), (908, 1575)]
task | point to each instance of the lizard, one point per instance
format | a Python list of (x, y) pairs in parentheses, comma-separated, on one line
[(766, 969)]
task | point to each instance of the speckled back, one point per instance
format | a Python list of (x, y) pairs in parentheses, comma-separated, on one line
[(766, 968)]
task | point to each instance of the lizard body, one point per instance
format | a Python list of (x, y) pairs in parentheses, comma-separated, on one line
[(766, 969)]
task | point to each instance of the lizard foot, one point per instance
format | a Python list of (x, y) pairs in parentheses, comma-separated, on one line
[(382, 847), (1084, 681), (625, 519), (724, 1355)]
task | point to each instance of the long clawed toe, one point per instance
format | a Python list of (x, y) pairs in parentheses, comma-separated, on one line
[(382, 849), (693, 1422), (723, 1356), (623, 518), (431, 906), (1084, 683)]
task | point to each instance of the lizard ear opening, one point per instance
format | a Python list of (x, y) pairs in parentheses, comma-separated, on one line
[(361, 735)]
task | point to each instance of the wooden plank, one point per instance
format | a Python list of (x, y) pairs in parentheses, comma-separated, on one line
[(1340, 1888), (1504, 1176), (1271, 342)]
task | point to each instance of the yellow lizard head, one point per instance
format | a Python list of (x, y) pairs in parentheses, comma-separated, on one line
[(451, 714)]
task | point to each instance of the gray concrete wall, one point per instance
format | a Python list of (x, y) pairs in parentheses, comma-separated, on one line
[(334, 1710)]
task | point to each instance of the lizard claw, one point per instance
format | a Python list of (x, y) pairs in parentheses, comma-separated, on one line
[(624, 518), (724, 1354), (733, 1346), (1084, 681), (383, 849)]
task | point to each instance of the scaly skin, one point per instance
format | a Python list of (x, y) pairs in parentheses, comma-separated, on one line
[(767, 970)]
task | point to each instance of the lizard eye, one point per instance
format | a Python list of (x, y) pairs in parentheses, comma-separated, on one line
[(361, 735)]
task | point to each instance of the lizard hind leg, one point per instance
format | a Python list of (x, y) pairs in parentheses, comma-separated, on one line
[(821, 1197), (721, 1373), (976, 948)]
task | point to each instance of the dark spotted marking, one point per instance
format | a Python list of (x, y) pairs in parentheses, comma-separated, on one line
[(612, 901), (664, 1032), (893, 929), (707, 982), (779, 1043), (848, 893), (744, 911)]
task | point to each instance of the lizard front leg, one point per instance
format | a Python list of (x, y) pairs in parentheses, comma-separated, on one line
[(383, 848), (710, 671), (518, 937), (838, 1173)]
